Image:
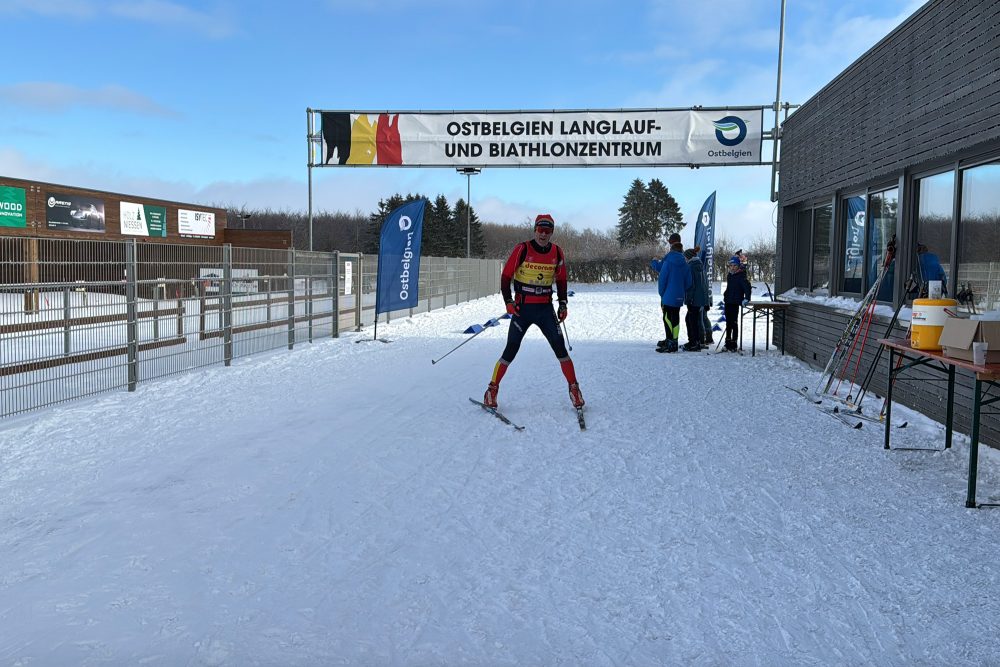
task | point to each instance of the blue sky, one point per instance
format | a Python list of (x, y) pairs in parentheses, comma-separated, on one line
[(205, 102)]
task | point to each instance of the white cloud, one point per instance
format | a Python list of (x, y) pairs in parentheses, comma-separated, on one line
[(823, 46), (80, 9), (59, 97), (16, 165), (217, 25), (160, 12)]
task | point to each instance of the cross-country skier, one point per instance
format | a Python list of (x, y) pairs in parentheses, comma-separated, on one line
[(531, 270)]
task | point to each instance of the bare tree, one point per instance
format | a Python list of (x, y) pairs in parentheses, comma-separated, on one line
[(761, 256), (724, 248)]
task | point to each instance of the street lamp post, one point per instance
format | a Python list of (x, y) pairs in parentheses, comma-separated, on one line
[(243, 219), (469, 173)]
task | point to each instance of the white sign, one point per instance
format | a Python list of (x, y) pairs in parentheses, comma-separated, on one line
[(348, 277), (195, 223), (132, 219), (641, 137), (244, 280)]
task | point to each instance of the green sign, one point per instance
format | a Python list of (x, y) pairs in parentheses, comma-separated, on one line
[(12, 207)]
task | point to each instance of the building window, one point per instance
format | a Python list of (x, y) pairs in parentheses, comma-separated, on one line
[(883, 210), (822, 217), (853, 226), (812, 248), (979, 236), (803, 232), (935, 210)]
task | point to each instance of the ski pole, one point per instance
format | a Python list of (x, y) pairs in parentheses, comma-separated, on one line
[(434, 361), (910, 290), (566, 335), (854, 323)]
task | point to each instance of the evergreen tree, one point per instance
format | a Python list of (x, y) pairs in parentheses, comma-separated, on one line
[(385, 207), (478, 237), (635, 217), (437, 228), (667, 216), (478, 244)]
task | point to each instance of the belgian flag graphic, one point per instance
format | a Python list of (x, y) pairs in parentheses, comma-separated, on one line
[(353, 139)]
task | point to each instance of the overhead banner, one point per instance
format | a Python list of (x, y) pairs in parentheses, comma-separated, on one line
[(12, 207), (399, 258), (704, 233), (74, 213), (640, 138), (142, 220)]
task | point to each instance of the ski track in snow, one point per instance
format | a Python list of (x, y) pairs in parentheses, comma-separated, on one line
[(345, 504)]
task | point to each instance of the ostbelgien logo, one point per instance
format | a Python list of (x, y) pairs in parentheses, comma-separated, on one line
[(725, 129)]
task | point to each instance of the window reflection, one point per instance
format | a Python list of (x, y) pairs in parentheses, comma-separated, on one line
[(979, 236), (822, 217), (853, 224), (935, 206), (881, 230), (803, 232)]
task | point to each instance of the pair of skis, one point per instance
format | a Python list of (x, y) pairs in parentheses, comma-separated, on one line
[(835, 413), (499, 415), (853, 418)]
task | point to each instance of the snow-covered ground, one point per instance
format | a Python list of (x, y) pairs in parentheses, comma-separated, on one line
[(344, 503)]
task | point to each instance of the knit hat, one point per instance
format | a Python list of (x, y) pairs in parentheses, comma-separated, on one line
[(734, 260), (689, 253), (674, 238), (545, 221)]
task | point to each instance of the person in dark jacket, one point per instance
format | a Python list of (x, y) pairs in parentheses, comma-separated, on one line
[(674, 282), (737, 294), (697, 298)]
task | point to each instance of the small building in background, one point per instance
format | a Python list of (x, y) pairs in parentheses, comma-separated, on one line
[(906, 143)]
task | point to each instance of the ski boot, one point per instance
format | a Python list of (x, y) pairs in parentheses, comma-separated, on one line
[(671, 346), (692, 346), (661, 344), (575, 395), (490, 397), (730, 346)]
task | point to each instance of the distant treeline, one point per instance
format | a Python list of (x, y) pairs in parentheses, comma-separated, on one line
[(593, 256)]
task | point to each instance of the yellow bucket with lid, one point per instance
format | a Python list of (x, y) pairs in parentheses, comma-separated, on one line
[(927, 322)]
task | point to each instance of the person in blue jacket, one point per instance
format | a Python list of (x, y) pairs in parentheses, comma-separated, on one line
[(737, 294), (674, 282), (697, 298), (930, 269)]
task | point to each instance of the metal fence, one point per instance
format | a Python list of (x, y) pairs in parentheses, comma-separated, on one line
[(79, 318)]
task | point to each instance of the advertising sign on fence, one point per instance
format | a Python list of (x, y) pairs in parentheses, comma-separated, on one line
[(142, 220), (12, 207), (74, 213), (244, 280), (200, 224)]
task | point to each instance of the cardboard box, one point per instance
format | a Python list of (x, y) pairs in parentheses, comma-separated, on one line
[(958, 335)]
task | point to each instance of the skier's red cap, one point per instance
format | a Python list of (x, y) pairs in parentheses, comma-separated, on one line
[(545, 221)]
